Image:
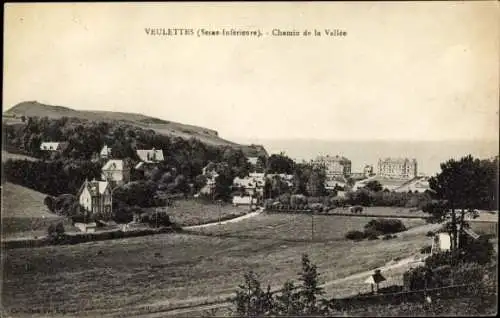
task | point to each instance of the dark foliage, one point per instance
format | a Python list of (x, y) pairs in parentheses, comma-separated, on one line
[(385, 226)]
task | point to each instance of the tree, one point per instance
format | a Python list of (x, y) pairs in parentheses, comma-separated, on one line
[(280, 164), (310, 289), (251, 300), (374, 186), (464, 184), (316, 183), (223, 185)]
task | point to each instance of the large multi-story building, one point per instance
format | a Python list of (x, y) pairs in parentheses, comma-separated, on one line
[(335, 167), (398, 168)]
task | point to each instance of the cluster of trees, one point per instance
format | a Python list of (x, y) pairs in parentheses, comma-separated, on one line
[(461, 187), (302, 299), (51, 177), (461, 266)]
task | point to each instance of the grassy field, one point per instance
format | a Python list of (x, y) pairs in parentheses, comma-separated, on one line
[(128, 274), (24, 214), (382, 210), (192, 212)]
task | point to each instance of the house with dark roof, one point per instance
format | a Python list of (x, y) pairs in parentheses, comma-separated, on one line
[(150, 156)]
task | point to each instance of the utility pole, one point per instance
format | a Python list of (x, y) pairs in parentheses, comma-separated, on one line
[(312, 226)]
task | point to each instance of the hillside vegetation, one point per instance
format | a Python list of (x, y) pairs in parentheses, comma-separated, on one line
[(160, 126)]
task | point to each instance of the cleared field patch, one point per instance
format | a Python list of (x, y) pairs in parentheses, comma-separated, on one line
[(164, 271), (14, 156), (192, 212), (24, 213)]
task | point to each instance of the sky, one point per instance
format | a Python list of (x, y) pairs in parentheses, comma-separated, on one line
[(405, 70)]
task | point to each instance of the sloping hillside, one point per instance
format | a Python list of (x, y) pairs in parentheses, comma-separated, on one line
[(24, 214), (164, 127)]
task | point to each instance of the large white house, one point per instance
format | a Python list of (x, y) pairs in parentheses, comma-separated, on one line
[(116, 172), (94, 197)]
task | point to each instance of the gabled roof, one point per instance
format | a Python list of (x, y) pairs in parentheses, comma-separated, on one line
[(53, 145), (114, 165), (150, 155), (253, 160), (95, 187), (105, 151), (375, 279)]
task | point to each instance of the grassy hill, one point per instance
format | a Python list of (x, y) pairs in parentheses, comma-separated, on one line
[(164, 127), (24, 214)]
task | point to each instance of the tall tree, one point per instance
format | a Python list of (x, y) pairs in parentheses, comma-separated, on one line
[(463, 185), (316, 183)]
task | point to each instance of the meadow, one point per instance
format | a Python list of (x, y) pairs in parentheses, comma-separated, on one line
[(195, 212), (142, 274)]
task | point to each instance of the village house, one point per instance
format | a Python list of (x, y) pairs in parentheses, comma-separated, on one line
[(253, 160), (54, 146), (116, 172), (441, 242), (105, 152), (287, 178), (150, 156), (95, 197), (252, 185)]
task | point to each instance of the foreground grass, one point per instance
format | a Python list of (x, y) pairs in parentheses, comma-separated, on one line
[(168, 270)]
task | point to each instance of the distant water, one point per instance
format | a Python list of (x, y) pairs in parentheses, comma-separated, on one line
[(429, 154)]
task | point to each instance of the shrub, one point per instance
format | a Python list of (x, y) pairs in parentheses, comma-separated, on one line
[(389, 236), (386, 226), (430, 234), (479, 251), (426, 249), (372, 234), (355, 235)]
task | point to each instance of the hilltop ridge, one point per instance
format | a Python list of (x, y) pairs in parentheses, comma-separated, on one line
[(161, 126)]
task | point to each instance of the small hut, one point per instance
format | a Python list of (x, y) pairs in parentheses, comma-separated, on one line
[(375, 279)]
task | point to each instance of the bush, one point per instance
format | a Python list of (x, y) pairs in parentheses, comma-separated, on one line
[(430, 234), (372, 234), (355, 235), (426, 249), (479, 251), (386, 226), (389, 236)]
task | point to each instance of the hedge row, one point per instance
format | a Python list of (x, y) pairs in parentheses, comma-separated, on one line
[(66, 239)]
